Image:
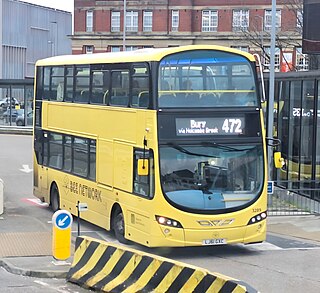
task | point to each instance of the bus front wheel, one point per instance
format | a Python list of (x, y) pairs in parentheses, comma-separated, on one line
[(118, 226), (54, 198)]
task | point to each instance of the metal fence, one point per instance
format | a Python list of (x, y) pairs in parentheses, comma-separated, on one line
[(294, 201)]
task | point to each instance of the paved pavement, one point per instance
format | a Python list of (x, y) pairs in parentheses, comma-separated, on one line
[(301, 227)]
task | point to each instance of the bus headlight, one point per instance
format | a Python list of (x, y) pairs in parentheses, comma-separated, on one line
[(168, 222), (258, 218)]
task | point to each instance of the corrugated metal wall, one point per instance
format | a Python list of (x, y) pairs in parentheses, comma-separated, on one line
[(29, 33)]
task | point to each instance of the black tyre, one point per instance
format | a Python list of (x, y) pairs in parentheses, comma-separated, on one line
[(54, 198), (119, 227)]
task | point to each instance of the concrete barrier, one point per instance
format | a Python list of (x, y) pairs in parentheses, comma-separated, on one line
[(107, 267)]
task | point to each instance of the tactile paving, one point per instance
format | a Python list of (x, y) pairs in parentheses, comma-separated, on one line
[(25, 244)]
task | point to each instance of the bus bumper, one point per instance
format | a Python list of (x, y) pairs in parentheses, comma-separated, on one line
[(175, 237)]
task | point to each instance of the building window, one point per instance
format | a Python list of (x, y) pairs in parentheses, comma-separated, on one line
[(175, 20), (88, 49), (147, 21), (268, 19), (89, 21), (302, 61), (241, 48), (209, 20), (266, 60), (115, 49), (132, 21), (131, 48), (115, 21), (240, 20)]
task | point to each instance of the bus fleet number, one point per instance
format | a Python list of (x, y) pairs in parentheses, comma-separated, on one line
[(232, 125)]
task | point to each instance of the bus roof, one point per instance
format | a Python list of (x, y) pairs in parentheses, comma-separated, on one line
[(140, 55)]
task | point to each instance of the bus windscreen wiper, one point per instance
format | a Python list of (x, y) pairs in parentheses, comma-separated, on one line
[(185, 151), (223, 147)]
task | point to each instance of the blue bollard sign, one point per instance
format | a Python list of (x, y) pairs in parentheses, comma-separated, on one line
[(63, 220)]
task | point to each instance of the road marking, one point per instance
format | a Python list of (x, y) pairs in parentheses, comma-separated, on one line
[(26, 169), (263, 246), (35, 201), (267, 246), (44, 284)]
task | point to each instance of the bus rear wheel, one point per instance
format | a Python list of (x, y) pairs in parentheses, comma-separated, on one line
[(54, 198), (118, 226)]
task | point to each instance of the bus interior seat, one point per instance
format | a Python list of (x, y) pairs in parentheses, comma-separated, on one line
[(165, 85), (105, 97), (167, 100), (144, 100), (249, 99), (82, 96), (192, 99), (228, 98), (97, 97), (55, 161), (135, 101), (209, 99), (119, 100), (181, 95)]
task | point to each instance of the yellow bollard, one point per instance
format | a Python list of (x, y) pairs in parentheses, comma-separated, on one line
[(61, 234)]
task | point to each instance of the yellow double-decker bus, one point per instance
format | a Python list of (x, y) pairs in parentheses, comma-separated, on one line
[(165, 146)]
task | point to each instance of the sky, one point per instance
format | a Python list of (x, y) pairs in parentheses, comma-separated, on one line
[(66, 5)]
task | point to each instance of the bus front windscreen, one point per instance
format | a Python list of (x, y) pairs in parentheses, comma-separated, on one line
[(211, 177), (206, 78)]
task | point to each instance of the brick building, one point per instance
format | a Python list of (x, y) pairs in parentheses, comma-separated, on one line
[(243, 24)]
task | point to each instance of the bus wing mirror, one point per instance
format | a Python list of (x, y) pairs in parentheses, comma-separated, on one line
[(278, 160), (143, 167)]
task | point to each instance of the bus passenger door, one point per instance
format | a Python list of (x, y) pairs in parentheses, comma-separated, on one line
[(40, 163), (44, 180), (143, 191)]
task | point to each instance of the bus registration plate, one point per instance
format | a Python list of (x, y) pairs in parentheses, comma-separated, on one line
[(216, 241)]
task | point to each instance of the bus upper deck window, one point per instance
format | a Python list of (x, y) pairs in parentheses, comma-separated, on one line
[(206, 78)]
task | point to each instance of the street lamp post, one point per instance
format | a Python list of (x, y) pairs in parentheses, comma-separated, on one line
[(124, 25), (271, 86)]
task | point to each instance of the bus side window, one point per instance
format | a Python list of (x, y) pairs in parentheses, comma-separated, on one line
[(46, 83), (143, 184), (100, 86), (57, 83), (120, 88), (140, 86), (82, 84), (55, 151), (69, 84), (80, 156)]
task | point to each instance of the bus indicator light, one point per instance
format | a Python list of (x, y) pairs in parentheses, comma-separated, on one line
[(258, 218), (168, 222)]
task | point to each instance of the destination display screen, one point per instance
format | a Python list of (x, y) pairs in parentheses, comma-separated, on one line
[(209, 126)]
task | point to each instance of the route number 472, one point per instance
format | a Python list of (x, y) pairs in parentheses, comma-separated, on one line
[(232, 125)]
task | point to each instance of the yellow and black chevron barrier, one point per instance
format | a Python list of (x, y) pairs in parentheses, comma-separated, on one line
[(107, 267)]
